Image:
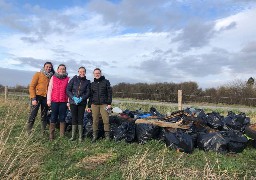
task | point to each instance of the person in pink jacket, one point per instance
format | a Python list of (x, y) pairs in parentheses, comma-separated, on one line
[(57, 99)]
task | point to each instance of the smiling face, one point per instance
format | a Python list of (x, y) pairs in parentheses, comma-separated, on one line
[(61, 69), (97, 74), (81, 72), (48, 67)]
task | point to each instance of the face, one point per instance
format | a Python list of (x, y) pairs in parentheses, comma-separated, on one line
[(81, 72), (61, 70), (97, 74), (48, 68)]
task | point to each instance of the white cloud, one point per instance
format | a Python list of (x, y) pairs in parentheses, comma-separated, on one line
[(137, 46)]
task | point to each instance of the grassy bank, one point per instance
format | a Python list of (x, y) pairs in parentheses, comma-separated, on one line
[(34, 157)]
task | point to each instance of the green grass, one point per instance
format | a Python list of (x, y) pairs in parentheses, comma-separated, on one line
[(35, 157)]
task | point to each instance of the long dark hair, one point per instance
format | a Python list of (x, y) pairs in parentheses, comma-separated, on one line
[(51, 65)]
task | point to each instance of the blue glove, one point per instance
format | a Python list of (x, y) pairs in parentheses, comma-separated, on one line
[(76, 99), (79, 100)]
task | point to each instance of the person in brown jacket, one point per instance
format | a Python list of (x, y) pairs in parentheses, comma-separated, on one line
[(38, 91)]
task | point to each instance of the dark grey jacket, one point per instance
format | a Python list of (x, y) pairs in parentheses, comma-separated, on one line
[(101, 92), (79, 87)]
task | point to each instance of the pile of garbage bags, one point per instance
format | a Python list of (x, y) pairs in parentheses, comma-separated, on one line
[(207, 131)]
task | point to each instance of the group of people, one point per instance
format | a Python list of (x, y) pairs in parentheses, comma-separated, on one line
[(55, 90)]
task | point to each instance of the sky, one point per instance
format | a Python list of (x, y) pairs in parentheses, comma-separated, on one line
[(208, 42)]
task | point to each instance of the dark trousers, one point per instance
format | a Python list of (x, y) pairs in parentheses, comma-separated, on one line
[(41, 101), (77, 112), (59, 111)]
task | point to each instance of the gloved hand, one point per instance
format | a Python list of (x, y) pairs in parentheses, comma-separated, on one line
[(76, 99), (79, 100)]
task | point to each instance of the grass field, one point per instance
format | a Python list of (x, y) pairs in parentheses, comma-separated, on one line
[(34, 157)]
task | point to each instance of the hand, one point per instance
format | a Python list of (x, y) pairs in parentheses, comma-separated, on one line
[(88, 110), (34, 102), (76, 99), (79, 100), (109, 106), (49, 103), (68, 105)]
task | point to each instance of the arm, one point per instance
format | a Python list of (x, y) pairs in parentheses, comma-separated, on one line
[(32, 86), (90, 97), (49, 92), (69, 88), (88, 89), (109, 92)]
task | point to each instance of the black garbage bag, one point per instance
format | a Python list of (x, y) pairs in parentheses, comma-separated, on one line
[(146, 132), (87, 130), (236, 141), (68, 121), (126, 131), (215, 120), (174, 119), (161, 134), (212, 141), (48, 116), (236, 121), (154, 112), (179, 141)]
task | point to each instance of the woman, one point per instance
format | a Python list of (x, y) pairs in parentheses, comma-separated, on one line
[(78, 91), (57, 99), (38, 91), (100, 102)]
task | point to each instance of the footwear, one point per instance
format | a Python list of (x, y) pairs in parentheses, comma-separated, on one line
[(29, 127), (43, 127), (80, 133), (94, 136), (107, 135), (52, 130), (62, 129), (74, 127)]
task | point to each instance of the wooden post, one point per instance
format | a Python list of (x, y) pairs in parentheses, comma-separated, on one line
[(179, 99), (5, 93)]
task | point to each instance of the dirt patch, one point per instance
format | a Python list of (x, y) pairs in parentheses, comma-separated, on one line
[(93, 161)]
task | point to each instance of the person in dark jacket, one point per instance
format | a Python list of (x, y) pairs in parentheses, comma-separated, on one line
[(100, 102), (78, 91)]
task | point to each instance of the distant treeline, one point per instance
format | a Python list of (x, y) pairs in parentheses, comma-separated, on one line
[(237, 92), (243, 93)]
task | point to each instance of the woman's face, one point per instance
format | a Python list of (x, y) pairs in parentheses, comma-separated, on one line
[(81, 72), (97, 74), (61, 70), (48, 68)]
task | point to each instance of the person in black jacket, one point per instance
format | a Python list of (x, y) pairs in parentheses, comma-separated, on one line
[(78, 91), (100, 102)]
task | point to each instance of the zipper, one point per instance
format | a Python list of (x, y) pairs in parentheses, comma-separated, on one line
[(78, 91), (99, 91)]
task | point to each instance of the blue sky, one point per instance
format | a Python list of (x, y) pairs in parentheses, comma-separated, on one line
[(208, 42)]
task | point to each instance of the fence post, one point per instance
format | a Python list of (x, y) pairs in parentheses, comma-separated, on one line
[(179, 99), (5, 93)]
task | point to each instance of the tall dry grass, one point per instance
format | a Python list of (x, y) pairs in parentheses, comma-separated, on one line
[(20, 157), (148, 165)]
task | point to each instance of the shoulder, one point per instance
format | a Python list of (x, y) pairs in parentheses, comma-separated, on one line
[(37, 74), (107, 81)]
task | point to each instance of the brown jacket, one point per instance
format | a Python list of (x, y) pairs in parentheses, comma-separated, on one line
[(38, 85)]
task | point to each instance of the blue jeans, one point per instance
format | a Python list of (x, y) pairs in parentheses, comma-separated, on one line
[(59, 111)]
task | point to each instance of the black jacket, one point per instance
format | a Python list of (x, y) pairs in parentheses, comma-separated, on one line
[(101, 92), (79, 87)]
